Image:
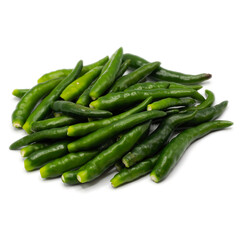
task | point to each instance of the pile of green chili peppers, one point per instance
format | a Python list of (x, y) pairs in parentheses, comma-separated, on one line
[(117, 112)]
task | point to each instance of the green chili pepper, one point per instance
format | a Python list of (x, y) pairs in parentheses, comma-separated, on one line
[(123, 68), (19, 92), (207, 114), (147, 86), (39, 158), (127, 175), (54, 133), (26, 151), (153, 143), (107, 76), (134, 77), (54, 123), (70, 161), (29, 100), (45, 106), (156, 85), (82, 129), (113, 101), (70, 177), (61, 73), (207, 103), (79, 110), (167, 75), (85, 99), (172, 153), (96, 138), (170, 102), (77, 87), (108, 157), (65, 72)]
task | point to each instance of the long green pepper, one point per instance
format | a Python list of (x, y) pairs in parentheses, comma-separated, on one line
[(153, 143), (29, 101), (167, 75), (82, 129), (96, 138), (65, 72), (45, 106), (108, 157), (113, 101), (107, 76), (174, 150), (134, 77)]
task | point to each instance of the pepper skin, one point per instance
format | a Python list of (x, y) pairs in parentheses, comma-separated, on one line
[(113, 101), (108, 75), (111, 155), (45, 106), (174, 150), (82, 129), (96, 138)]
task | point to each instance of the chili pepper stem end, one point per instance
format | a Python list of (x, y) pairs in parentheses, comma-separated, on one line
[(125, 163), (82, 176), (17, 124), (115, 181), (149, 107), (154, 177), (27, 165)]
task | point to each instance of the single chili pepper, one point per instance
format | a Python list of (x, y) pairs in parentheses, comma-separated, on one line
[(207, 103), (26, 151), (79, 110), (82, 129), (153, 143), (207, 114), (170, 102), (167, 75), (70, 161), (147, 86), (39, 158), (96, 138), (113, 101), (85, 99), (156, 85), (29, 101), (45, 106), (108, 75), (19, 92), (70, 177), (77, 87), (173, 151), (127, 175), (65, 72), (54, 133), (108, 157), (134, 77), (54, 123), (123, 68)]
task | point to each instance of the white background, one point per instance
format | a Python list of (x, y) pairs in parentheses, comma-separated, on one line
[(200, 199)]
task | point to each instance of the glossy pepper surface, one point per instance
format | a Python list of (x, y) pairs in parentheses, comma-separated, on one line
[(113, 101), (174, 150), (154, 142), (29, 101), (108, 157), (45, 106), (82, 129), (134, 77), (96, 138), (167, 75), (108, 75), (79, 110)]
